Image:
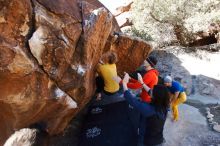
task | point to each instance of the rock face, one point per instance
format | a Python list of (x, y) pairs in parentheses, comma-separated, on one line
[(48, 53), (216, 128), (131, 51)]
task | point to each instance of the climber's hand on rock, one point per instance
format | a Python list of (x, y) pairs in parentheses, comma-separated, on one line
[(140, 79), (126, 78), (125, 81), (100, 61), (125, 73)]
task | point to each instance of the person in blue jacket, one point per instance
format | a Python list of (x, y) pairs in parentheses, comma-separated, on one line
[(177, 95), (153, 115)]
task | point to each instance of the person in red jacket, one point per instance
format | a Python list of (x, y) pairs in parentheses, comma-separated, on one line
[(150, 78)]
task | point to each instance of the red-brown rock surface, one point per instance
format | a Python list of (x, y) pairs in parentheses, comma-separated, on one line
[(48, 53), (131, 51)]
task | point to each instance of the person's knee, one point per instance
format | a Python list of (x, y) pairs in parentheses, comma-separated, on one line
[(182, 97), (175, 106)]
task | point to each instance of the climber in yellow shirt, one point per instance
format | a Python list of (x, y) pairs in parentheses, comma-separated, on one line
[(107, 70)]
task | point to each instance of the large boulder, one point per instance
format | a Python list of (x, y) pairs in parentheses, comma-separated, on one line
[(131, 52), (48, 53)]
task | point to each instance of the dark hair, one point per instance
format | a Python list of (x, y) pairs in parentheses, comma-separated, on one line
[(112, 57), (152, 61), (161, 98)]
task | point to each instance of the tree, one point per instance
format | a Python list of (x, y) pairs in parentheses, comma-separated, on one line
[(180, 17)]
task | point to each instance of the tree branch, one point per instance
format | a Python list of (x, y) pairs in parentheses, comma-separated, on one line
[(158, 20), (123, 9), (210, 48), (127, 23), (155, 18)]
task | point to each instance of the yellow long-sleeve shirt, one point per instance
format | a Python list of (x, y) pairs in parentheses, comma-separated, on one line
[(108, 71)]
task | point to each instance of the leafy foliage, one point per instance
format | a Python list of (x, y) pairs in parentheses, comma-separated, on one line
[(138, 33), (170, 20)]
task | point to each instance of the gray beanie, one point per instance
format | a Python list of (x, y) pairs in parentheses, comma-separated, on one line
[(167, 79)]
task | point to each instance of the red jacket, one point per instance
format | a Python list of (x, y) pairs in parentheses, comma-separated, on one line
[(150, 78)]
